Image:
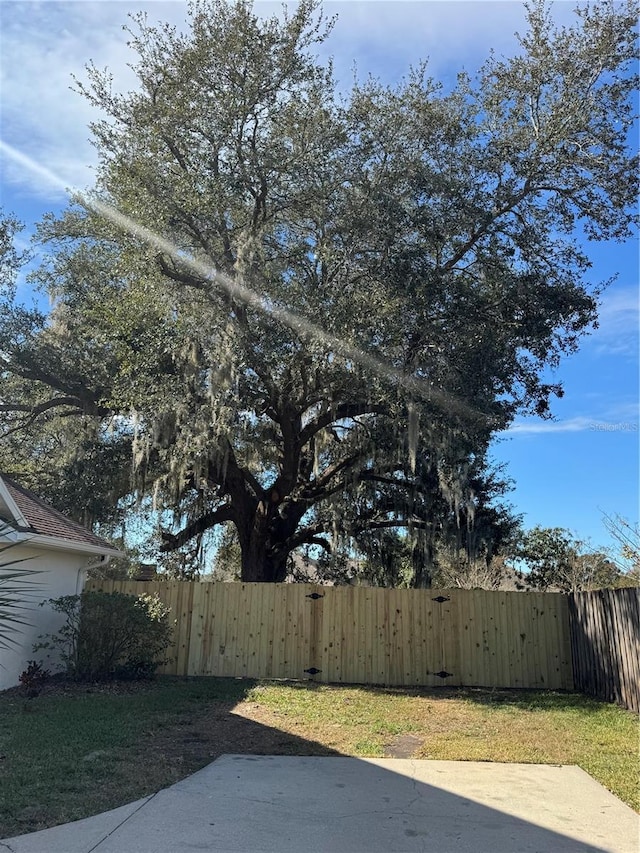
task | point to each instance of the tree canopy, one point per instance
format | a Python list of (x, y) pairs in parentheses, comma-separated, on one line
[(556, 560), (304, 314)]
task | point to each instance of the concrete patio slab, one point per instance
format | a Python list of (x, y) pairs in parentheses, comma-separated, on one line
[(290, 804), (79, 836)]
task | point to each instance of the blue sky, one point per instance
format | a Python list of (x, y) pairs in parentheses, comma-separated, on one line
[(567, 471)]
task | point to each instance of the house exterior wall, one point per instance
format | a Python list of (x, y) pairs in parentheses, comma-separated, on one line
[(60, 573)]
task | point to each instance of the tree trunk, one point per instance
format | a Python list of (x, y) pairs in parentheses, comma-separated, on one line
[(263, 557), (260, 566), (423, 559)]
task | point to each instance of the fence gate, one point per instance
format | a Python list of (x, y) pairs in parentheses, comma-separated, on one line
[(363, 635)]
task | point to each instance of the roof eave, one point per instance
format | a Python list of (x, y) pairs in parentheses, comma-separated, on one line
[(57, 543)]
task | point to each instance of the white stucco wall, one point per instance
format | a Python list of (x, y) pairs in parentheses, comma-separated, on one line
[(60, 573)]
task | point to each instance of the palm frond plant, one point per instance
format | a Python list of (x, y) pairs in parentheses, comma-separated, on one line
[(17, 588)]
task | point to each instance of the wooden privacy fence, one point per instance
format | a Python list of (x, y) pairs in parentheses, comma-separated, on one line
[(605, 643), (362, 635)]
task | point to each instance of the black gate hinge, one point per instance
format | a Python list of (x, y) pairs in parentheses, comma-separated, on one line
[(313, 670), (441, 599), (315, 595)]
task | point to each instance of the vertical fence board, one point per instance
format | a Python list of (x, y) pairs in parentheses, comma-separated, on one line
[(360, 629), (463, 612), (517, 642), (554, 646), (538, 634), (315, 612), (486, 677), (254, 660), (501, 637), (531, 648), (215, 615), (538, 640), (347, 653), (224, 661), (266, 633), (442, 616), (383, 626), (380, 637), (622, 661), (394, 633), (496, 641), (566, 662), (329, 670), (296, 648), (421, 638), (474, 664), (629, 620)]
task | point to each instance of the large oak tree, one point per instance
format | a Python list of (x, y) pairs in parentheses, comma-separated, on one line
[(307, 315)]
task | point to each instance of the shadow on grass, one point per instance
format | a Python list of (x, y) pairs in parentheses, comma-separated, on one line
[(525, 699)]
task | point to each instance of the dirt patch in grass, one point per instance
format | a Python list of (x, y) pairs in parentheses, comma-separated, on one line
[(403, 746)]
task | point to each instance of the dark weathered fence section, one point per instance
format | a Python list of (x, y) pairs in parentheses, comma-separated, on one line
[(605, 644)]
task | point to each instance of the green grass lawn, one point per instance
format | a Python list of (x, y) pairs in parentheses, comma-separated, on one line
[(76, 751)]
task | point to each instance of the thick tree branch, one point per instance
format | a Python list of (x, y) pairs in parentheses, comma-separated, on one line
[(417, 486), (382, 524), (309, 536), (181, 276), (172, 541), (251, 481), (340, 412), (40, 408), (486, 226), (318, 488), (30, 414)]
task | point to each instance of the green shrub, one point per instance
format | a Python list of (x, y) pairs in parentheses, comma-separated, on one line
[(33, 679), (110, 635)]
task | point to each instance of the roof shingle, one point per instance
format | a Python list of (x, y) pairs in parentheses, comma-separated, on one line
[(44, 520)]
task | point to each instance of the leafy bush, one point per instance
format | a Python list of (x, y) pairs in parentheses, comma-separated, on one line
[(110, 635), (33, 678)]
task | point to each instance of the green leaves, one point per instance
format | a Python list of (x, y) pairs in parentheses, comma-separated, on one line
[(17, 590), (556, 560)]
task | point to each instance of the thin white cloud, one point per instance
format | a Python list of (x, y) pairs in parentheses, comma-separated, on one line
[(44, 45), (619, 322), (386, 38), (577, 424), (624, 411)]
